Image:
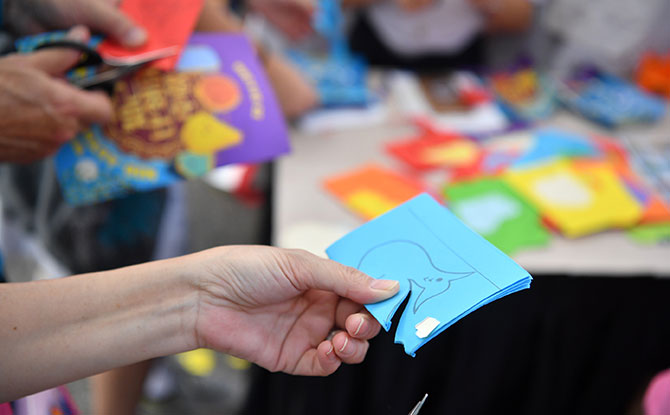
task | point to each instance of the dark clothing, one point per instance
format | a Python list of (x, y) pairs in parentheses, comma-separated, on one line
[(566, 346), (364, 40)]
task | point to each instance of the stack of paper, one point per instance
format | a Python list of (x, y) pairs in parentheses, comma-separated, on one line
[(447, 270)]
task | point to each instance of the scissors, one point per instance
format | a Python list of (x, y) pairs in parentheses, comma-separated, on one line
[(106, 70), (418, 406)]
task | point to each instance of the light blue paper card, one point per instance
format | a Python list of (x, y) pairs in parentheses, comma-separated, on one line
[(447, 269), (552, 143)]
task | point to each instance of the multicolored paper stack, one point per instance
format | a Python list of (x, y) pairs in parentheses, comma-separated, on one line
[(517, 189)]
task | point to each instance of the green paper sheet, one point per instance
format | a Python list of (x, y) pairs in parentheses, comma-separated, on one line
[(651, 234), (498, 213)]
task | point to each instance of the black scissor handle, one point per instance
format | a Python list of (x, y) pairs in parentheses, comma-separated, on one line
[(90, 56)]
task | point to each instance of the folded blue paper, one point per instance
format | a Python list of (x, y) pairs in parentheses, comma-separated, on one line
[(447, 269)]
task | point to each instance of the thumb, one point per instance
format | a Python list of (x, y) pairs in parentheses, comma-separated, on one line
[(104, 17), (324, 274)]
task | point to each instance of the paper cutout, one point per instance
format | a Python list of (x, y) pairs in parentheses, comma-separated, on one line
[(219, 109), (652, 234), (372, 190), (552, 143), (653, 73), (578, 198), (655, 208), (167, 22), (495, 211), (447, 270), (608, 100), (425, 327), (453, 152), (525, 94), (525, 149)]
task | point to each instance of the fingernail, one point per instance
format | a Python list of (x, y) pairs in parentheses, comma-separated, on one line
[(385, 285), (135, 37), (330, 350), (360, 324), (346, 341)]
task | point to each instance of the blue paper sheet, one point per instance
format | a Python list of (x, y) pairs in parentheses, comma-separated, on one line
[(553, 143), (447, 269)]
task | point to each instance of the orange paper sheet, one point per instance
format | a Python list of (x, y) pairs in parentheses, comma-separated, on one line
[(167, 22), (372, 190)]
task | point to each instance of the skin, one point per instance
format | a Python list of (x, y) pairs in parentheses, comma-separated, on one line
[(25, 17), (271, 306), (41, 110), (291, 17)]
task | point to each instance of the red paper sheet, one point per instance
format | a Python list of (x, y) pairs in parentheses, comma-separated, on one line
[(167, 22)]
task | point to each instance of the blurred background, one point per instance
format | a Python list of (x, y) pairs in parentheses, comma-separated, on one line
[(543, 124)]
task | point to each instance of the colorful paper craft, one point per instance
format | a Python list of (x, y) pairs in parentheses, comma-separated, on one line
[(652, 234), (653, 73), (339, 75), (655, 208), (609, 100), (447, 270), (501, 151), (372, 190), (452, 152), (168, 23), (496, 212), (551, 143), (526, 94), (219, 109), (577, 198)]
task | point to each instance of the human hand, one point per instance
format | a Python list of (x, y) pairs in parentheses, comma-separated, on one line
[(33, 16), (291, 17), (41, 111), (276, 308)]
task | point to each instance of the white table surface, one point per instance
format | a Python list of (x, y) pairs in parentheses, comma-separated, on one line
[(307, 217)]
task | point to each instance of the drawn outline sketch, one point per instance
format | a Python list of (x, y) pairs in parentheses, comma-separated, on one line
[(433, 286)]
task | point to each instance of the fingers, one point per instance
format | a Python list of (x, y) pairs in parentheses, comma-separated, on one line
[(56, 61), (329, 355), (358, 322), (86, 106), (344, 347), (349, 349), (310, 271), (362, 326), (21, 150), (106, 18)]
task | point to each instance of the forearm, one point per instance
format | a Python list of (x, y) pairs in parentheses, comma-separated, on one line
[(52, 332)]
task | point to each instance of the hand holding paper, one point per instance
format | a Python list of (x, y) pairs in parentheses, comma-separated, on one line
[(447, 270)]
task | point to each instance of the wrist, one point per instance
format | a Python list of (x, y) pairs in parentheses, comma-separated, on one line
[(181, 281)]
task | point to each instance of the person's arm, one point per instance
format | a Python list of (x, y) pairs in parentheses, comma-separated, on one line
[(271, 306), (53, 332)]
